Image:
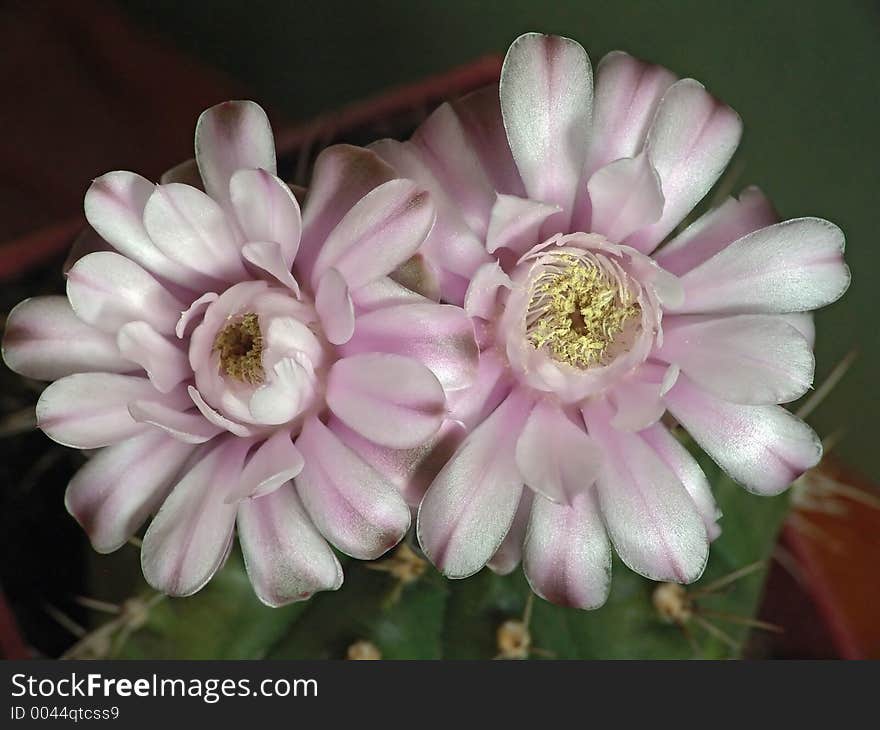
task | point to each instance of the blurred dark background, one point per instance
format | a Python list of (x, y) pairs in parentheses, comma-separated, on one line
[(99, 85)]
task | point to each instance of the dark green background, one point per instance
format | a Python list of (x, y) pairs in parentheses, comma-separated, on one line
[(803, 75)]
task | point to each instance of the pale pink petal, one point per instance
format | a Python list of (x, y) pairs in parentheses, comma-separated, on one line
[(114, 206), (335, 308), (715, 230), (447, 148), (555, 456), (411, 470), (193, 314), (354, 507), (190, 427), (232, 136), (268, 256), (638, 397), (691, 140), (440, 337), (452, 245), (472, 406), (626, 97), (384, 292), (189, 538), (509, 553), (685, 467), (764, 448), (793, 266), (390, 399), (285, 556), (803, 322), (420, 276), (186, 172), (281, 397), (567, 555), (625, 196), (546, 99), (515, 223), (192, 229), (480, 113), (164, 362), (379, 233), (747, 358), (44, 339), (273, 463), (216, 418), (267, 211), (107, 291), (470, 506), (88, 241), (120, 486), (343, 174), (481, 299), (651, 519), (88, 410)]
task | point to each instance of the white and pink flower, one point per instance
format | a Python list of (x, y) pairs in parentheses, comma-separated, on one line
[(555, 212), (219, 346)]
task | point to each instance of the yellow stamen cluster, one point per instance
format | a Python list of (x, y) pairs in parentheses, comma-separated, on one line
[(577, 309), (240, 345)]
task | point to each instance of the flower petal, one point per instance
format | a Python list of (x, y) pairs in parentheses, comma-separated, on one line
[(715, 230), (268, 256), (556, 457), (120, 486), (280, 398), (353, 506), (515, 223), (343, 174), (107, 290), (267, 211), (625, 196), (546, 99), (335, 308), (470, 506), (232, 136), (408, 396), (191, 229), (189, 538), (509, 553), (439, 336), (651, 520), (747, 358), (275, 462), (45, 340), (88, 410), (379, 233), (285, 556), (686, 468), (190, 427), (691, 140), (793, 266), (452, 244), (481, 298), (114, 206), (186, 172), (165, 364), (567, 555), (764, 448), (626, 97)]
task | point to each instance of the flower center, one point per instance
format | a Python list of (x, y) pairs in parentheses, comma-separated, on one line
[(578, 308), (240, 345)]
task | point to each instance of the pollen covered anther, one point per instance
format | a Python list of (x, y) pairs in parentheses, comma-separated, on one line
[(578, 308), (240, 346)]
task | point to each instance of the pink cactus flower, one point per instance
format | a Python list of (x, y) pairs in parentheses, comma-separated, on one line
[(556, 230), (217, 348)]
